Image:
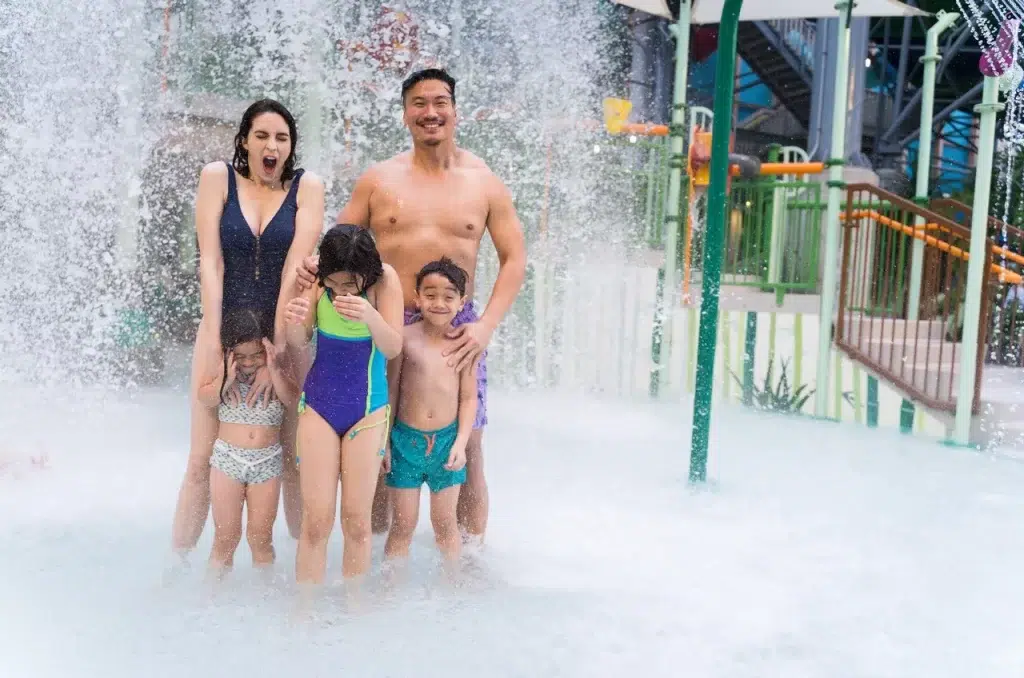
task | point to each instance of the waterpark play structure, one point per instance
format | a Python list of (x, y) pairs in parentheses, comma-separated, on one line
[(749, 264), (902, 293)]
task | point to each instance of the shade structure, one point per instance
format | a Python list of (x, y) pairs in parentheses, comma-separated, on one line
[(710, 11), (662, 8)]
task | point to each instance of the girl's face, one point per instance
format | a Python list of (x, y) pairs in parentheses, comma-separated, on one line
[(342, 283), (249, 357)]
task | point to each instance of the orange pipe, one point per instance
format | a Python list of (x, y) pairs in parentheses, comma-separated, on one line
[(776, 168), (645, 129), (1005, 275)]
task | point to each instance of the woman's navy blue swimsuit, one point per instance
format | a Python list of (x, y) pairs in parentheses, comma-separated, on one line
[(253, 264)]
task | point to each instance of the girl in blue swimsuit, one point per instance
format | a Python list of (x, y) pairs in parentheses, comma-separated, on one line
[(357, 312)]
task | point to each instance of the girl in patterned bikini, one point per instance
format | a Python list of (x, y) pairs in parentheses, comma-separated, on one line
[(246, 466)]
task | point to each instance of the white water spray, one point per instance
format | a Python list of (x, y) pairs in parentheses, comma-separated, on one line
[(106, 128)]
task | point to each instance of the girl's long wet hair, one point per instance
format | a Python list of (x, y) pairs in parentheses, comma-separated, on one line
[(350, 249), (241, 159), (239, 327)]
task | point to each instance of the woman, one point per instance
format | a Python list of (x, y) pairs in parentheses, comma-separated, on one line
[(256, 218), (357, 311)]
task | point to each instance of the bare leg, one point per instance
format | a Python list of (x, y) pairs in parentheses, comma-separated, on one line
[(379, 518), (403, 522), (290, 477), (360, 469), (228, 496), (318, 483), (473, 499), (261, 501), (446, 525), (194, 496)]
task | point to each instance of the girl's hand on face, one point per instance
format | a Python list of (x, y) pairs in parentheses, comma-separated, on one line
[(353, 308), (230, 389)]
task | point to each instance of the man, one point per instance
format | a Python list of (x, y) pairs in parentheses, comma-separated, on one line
[(437, 200)]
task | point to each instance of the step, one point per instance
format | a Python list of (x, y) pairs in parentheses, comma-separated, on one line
[(934, 382), (895, 329), (921, 354)]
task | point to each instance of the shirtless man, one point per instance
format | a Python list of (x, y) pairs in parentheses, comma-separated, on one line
[(437, 200)]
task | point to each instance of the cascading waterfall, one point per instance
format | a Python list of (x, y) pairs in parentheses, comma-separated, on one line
[(105, 136)]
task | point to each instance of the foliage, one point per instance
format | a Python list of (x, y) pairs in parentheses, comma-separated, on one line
[(780, 397)]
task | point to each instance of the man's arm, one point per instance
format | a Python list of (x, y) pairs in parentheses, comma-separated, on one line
[(507, 235), (357, 210)]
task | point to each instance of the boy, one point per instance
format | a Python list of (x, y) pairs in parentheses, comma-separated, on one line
[(433, 408)]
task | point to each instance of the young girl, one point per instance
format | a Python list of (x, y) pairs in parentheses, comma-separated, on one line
[(246, 465), (357, 309)]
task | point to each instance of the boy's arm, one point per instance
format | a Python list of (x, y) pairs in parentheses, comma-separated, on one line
[(467, 403), (395, 383)]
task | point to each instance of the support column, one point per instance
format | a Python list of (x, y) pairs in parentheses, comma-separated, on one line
[(988, 109), (924, 154), (666, 296), (714, 234), (830, 261)]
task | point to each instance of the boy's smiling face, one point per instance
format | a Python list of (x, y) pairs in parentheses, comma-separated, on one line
[(438, 300)]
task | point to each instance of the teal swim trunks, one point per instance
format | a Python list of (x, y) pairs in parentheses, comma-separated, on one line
[(419, 457)]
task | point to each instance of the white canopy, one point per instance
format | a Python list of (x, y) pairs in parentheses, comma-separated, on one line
[(710, 11)]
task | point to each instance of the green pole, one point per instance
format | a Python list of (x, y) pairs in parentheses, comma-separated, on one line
[(830, 263), (661, 351), (988, 109), (924, 152), (721, 132)]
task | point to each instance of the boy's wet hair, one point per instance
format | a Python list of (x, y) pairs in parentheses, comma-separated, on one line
[(446, 268), (350, 249), (241, 326), (429, 74)]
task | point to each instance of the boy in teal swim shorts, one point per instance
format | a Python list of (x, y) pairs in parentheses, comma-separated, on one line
[(433, 409)]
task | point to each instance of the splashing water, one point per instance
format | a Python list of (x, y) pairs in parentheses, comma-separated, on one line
[(107, 133), (998, 35)]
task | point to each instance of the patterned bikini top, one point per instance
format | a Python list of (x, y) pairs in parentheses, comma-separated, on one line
[(271, 415)]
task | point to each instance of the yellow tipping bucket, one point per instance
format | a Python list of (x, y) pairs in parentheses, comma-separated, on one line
[(616, 112)]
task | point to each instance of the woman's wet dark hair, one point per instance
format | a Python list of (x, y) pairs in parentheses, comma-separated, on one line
[(350, 249), (241, 159), (241, 326)]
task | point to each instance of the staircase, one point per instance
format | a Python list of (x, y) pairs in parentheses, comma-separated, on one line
[(781, 54), (918, 356)]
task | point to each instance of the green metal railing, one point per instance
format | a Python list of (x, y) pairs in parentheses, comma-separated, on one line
[(765, 215)]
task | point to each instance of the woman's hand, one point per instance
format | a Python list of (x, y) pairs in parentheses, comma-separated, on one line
[(271, 352), (297, 311), (262, 386), (354, 308)]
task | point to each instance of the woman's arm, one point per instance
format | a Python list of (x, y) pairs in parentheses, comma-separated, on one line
[(309, 223), (210, 196), (386, 325), (300, 319), (209, 393), (285, 387)]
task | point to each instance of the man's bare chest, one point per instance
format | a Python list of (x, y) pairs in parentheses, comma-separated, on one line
[(429, 211)]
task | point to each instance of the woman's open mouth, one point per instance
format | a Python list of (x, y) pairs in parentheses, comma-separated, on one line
[(269, 164)]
